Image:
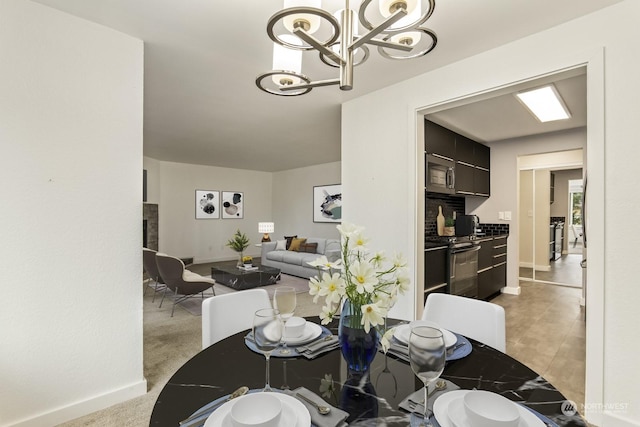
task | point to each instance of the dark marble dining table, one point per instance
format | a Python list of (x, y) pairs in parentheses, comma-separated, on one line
[(223, 367)]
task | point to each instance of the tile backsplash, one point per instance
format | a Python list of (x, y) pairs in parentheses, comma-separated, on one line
[(450, 204), (490, 229)]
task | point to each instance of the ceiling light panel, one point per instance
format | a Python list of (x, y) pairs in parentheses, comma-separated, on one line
[(544, 103)]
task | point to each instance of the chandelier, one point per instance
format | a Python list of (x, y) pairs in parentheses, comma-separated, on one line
[(393, 26)]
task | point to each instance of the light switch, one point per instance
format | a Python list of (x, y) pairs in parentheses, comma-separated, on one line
[(507, 216), (500, 215)]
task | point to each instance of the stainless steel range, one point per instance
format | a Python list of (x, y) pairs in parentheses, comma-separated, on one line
[(462, 265)]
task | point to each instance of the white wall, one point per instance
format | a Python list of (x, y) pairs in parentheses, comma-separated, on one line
[(293, 201), (172, 186), (391, 114), (71, 144)]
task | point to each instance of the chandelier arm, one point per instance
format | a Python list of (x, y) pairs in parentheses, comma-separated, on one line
[(310, 85), (397, 15), (391, 45), (316, 44)]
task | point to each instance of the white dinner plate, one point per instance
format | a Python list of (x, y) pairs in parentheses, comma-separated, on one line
[(403, 332), (311, 332), (449, 411), (294, 413)]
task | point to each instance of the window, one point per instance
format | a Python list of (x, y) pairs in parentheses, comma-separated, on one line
[(575, 202)]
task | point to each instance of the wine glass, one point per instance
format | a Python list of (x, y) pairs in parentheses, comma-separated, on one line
[(267, 332), (427, 354), (284, 300)]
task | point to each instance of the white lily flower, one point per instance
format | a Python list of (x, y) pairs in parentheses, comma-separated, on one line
[(399, 261), (332, 287), (364, 276), (402, 283), (385, 340), (347, 229), (378, 259), (372, 315), (314, 288), (323, 263), (326, 315)]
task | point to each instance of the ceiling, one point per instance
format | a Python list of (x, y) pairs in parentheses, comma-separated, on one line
[(201, 104)]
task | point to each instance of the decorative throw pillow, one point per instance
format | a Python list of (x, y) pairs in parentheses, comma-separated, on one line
[(281, 245), (311, 248), (289, 239), (295, 244)]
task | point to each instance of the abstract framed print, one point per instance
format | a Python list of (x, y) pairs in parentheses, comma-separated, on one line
[(232, 205), (327, 203), (207, 204)]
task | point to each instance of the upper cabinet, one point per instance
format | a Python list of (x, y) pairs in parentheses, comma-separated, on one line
[(470, 174)]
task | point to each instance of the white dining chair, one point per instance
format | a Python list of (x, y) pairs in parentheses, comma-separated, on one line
[(481, 320), (228, 314)]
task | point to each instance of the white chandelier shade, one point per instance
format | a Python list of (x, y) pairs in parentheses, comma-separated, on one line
[(394, 26), (286, 59)]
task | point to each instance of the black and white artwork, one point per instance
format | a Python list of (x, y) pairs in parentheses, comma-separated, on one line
[(327, 203), (232, 205), (207, 204)]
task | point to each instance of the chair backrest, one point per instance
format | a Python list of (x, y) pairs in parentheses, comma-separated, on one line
[(149, 264), (171, 269), (576, 233), (483, 321), (228, 314)]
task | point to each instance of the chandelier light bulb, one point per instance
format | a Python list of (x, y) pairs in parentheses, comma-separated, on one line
[(285, 59), (412, 7), (309, 23), (409, 38)]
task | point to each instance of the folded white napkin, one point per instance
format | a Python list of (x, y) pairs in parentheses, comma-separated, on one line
[(415, 401), (333, 419)]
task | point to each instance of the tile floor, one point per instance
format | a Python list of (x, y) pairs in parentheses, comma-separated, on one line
[(546, 331)]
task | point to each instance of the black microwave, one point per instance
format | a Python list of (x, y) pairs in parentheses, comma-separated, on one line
[(440, 174)]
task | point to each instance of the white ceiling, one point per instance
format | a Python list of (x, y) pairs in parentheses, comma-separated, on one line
[(201, 104)]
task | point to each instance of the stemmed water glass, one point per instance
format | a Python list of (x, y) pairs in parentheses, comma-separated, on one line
[(267, 333), (284, 300), (427, 354)]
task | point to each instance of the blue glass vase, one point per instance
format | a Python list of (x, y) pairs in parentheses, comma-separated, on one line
[(357, 346)]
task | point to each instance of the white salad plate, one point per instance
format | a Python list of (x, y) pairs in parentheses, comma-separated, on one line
[(294, 413), (449, 411), (403, 332), (311, 332)]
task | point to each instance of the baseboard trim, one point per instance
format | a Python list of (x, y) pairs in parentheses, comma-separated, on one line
[(85, 407), (511, 290), (611, 419)]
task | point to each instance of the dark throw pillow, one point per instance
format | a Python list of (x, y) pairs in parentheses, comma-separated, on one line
[(289, 239)]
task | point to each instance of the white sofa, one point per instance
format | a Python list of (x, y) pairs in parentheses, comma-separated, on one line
[(295, 263)]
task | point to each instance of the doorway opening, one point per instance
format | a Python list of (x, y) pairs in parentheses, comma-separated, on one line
[(550, 218)]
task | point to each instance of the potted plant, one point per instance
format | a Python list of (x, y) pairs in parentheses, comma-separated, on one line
[(449, 227), (247, 261), (239, 242)]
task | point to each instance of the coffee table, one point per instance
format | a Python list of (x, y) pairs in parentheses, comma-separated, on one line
[(226, 273)]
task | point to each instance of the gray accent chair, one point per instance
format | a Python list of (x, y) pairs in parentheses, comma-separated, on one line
[(184, 283), (151, 268)]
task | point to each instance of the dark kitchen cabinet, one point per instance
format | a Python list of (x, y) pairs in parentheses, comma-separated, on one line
[(492, 266), (439, 140), (465, 150), (482, 156), (471, 174), (435, 270)]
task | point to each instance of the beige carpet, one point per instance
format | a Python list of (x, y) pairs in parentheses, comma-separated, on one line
[(194, 304), (168, 343)]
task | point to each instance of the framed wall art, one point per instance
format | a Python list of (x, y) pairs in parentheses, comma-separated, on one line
[(232, 205), (327, 203), (207, 204)]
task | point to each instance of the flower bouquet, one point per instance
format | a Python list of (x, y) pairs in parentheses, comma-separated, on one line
[(364, 287)]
